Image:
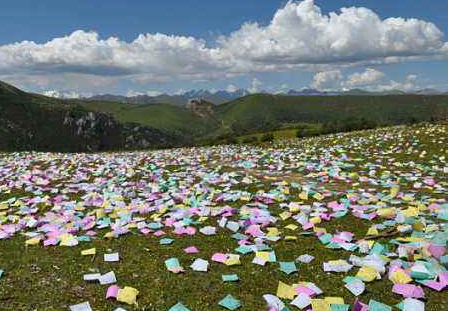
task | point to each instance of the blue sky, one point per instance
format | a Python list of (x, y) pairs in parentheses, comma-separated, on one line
[(43, 21)]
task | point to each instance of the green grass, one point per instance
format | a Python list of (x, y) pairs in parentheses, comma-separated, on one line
[(54, 275), (165, 117), (50, 278)]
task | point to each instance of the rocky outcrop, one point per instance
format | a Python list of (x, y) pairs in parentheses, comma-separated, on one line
[(28, 126), (201, 108)]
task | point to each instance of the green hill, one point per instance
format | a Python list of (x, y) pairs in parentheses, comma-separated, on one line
[(32, 121), (164, 117), (36, 122), (255, 113)]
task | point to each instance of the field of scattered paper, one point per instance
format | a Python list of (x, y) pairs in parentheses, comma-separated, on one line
[(372, 204)]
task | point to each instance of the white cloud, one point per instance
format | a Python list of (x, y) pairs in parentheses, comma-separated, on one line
[(300, 34), (282, 89), (327, 80), (410, 84), (133, 93), (255, 86), (369, 80), (57, 94), (231, 88), (368, 77), (299, 37)]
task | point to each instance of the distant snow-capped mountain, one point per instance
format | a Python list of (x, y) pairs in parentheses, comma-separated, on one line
[(223, 96), (216, 97)]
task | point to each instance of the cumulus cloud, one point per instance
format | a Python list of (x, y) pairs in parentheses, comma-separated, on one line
[(58, 94), (299, 37), (133, 93), (300, 34), (255, 86), (410, 84), (149, 55), (327, 80), (368, 77)]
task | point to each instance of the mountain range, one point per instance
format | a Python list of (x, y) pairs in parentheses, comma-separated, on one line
[(223, 96)]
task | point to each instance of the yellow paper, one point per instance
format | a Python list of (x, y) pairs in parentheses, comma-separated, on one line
[(285, 215), (399, 277), (318, 196), (233, 260), (272, 231), (394, 191), (109, 235), (32, 241), (127, 295), (68, 239), (320, 305), (411, 212), (263, 255), (285, 291), (291, 227), (334, 300), (79, 208), (100, 212), (372, 231), (303, 195), (89, 251), (315, 220), (386, 212), (367, 274)]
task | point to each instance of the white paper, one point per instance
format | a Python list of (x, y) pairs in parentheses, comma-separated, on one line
[(108, 278), (111, 257), (91, 277), (84, 306), (200, 265), (356, 287), (301, 301)]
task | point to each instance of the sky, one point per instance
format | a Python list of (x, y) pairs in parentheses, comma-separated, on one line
[(74, 48)]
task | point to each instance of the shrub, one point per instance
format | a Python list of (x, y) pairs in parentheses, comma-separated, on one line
[(232, 140), (250, 140), (267, 137)]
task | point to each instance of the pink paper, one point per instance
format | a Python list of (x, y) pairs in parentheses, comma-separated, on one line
[(219, 257), (112, 291), (408, 290), (159, 233), (191, 250), (305, 290), (443, 278), (254, 230), (51, 241), (145, 231), (91, 233), (436, 250), (435, 285)]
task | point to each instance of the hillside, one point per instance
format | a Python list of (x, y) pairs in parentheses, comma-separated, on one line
[(263, 111), (164, 117), (36, 122), (31, 121)]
